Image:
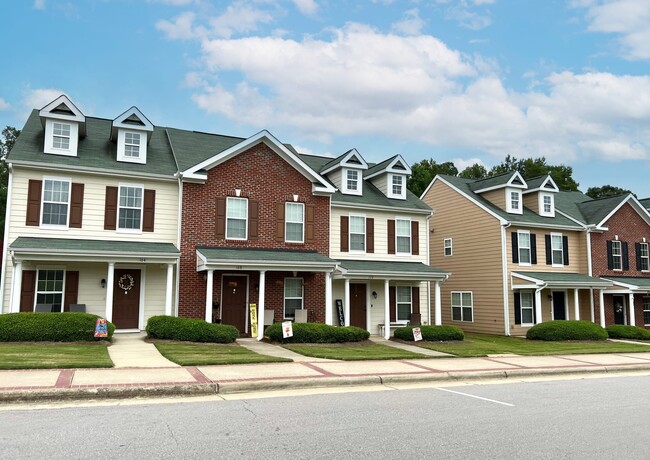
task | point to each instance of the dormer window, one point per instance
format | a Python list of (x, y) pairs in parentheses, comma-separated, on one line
[(546, 205), (352, 181), (132, 145), (61, 136), (64, 124), (132, 131), (513, 201), (396, 184)]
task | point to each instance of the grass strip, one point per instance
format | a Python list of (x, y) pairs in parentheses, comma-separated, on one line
[(361, 351), (203, 354), (50, 355)]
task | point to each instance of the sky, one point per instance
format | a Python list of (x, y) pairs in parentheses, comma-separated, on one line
[(450, 80)]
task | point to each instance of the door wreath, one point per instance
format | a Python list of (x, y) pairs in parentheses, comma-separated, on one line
[(126, 282)]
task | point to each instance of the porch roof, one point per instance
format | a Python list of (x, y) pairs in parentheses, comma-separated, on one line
[(65, 249), (214, 258), (560, 280), (380, 269), (640, 284)]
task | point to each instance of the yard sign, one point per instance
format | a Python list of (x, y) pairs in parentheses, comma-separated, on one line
[(253, 308), (287, 329), (417, 334), (101, 328)]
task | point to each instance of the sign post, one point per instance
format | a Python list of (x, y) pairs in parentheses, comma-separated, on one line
[(253, 313)]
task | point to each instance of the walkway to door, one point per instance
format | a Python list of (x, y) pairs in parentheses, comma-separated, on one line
[(130, 350)]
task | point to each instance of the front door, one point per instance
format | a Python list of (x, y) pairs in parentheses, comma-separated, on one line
[(358, 306), (233, 301), (559, 306), (126, 298), (619, 309)]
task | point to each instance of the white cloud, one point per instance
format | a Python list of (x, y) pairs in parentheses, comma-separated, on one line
[(173, 2), (462, 163), (40, 97), (469, 14), (39, 4), (410, 24), (179, 29), (4, 105), (308, 7), (239, 17), (628, 19)]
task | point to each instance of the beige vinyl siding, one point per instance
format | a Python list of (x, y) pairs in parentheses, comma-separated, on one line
[(496, 197), (531, 201), (335, 177), (476, 263), (577, 251), (381, 182), (381, 235)]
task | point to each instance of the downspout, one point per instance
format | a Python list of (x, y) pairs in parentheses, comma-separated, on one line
[(504, 266), (5, 243), (179, 178), (589, 262), (429, 264)]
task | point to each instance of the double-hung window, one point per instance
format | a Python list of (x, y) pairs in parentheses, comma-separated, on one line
[(515, 200), (404, 303), (527, 306), (294, 222), (646, 311), (236, 218), (557, 249), (352, 180), (293, 296), (547, 205), (462, 306), (357, 233), (398, 184), (49, 288), (448, 247), (523, 239), (61, 136), (403, 236), (643, 256), (617, 256), (56, 202), (131, 145), (130, 208)]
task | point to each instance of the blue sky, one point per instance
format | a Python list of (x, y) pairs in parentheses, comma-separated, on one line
[(459, 80)]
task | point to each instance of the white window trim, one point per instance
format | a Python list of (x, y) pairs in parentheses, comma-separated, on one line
[(397, 303), (365, 232), (121, 143), (647, 257), (620, 255), (246, 219), (49, 138), (41, 268), (532, 308), (542, 212), (119, 194), (509, 208), (286, 222), (67, 220), (389, 185), (553, 264), (344, 182), (410, 237), (451, 247), (284, 296), (646, 303), (530, 252), (471, 293)]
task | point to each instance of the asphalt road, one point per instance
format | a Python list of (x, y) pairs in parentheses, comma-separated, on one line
[(590, 419)]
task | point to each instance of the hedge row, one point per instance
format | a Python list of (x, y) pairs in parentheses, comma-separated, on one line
[(618, 331), (317, 333), (566, 330), (50, 327), (431, 333), (190, 330)]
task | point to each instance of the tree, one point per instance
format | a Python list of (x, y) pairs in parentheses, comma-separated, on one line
[(476, 171), (423, 172), (534, 167), (9, 135), (605, 191)]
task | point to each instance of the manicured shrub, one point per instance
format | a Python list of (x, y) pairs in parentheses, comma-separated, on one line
[(190, 330), (50, 327), (317, 333), (431, 333), (566, 330), (619, 331)]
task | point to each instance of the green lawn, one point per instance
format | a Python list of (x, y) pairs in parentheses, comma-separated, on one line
[(53, 355), (482, 345), (202, 354), (353, 351)]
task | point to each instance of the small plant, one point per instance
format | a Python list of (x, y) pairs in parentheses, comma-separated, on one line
[(50, 327), (431, 333), (190, 330), (317, 333), (566, 330), (619, 331)]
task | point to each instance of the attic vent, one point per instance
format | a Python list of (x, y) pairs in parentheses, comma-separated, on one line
[(399, 165), (548, 185), (133, 120), (62, 109), (354, 159), (517, 182)]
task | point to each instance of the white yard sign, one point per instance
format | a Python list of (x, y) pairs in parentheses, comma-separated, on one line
[(287, 329), (417, 334)]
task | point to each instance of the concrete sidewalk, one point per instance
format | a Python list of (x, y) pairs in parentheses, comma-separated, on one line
[(57, 384)]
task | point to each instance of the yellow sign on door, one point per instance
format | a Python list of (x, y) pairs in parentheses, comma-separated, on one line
[(253, 308)]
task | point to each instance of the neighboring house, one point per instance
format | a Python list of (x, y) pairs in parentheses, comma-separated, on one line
[(516, 260), (92, 212)]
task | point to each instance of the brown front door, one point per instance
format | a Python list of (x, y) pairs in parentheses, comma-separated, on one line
[(358, 305), (233, 301), (126, 298)]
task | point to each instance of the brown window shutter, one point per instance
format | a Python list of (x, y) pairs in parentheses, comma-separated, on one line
[(220, 222), (253, 219), (391, 236), (310, 218), (345, 230), (110, 210), (415, 238), (148, 210), (34, 191), (71, 289), (28, 290), (392, 303), (415, 299), (279, 222), (370, 235), (76, 205)]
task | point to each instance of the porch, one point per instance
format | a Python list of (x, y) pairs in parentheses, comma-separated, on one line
[(627, 301)]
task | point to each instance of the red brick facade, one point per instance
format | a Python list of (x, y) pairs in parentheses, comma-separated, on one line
[(261, 175), (628, 225)]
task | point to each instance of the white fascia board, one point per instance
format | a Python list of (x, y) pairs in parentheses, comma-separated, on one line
[(87, 170), (541, 188), (78, 116), (91, 256), (360, 207), (638, 207), (546, 226), (390, 168), (119, 123), (535, 281), (344, 162), (615, 282), (582, 224)]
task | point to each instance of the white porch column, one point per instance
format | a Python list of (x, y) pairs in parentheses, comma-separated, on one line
[(208, 296), (168, 290), (632, 318), (437, 303), (16, 287), (260, 306), (576, 305), (347, 302), (328, 299), (538, 306), (591, 305), (601, 307), (386, 310), (110, 280)]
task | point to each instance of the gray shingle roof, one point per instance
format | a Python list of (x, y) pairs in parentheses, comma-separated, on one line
[(380, 267), (596, 210), (563, 278), (23, 244), (494, 181), (257, 255), (379, 166), (641, 282), (193, 147)]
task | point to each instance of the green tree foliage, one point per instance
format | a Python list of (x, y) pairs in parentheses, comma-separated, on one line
[(424, 171), (9, 135), (605, 191), (476, 171)]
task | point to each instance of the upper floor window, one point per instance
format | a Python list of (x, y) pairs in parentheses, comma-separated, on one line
[(236, 218), (617, 256), (61, 133), (643, 256), (403, 236), (404, 303), (130, 208), (352, 181), (514, 201), (547, 205), (293, 296), (61, 137), (357, 233), (524, 247), (56, 200), (294, 222), (448, 246), (396, 186), (557, 249), (131, 145)]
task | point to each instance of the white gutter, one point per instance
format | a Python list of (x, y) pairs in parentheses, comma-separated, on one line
[(89, 170), (589, 261), (5, 243), (429, 264), (178, 240), (504, 266)]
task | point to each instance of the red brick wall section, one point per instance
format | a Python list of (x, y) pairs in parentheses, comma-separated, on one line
[(630, 227), (264, 176)]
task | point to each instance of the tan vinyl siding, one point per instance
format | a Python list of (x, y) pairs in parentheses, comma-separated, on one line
[(476, 263), (577, 251), (381, 182), (496, 197), (531, 201)]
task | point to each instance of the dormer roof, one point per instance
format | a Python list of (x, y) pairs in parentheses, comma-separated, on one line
[(511, 179), (350, 159), (62, 108), (395, 165), (542, 184), (131, 119)]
